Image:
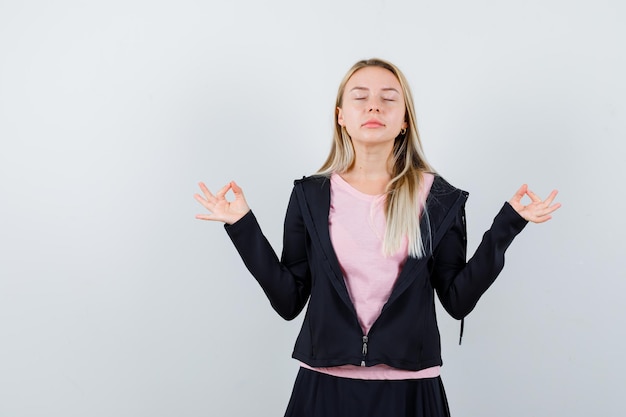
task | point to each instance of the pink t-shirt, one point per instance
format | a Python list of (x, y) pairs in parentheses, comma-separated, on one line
[(357, 228)]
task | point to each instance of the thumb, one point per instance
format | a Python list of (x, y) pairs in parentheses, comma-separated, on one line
[(520, 193), (236, 189)]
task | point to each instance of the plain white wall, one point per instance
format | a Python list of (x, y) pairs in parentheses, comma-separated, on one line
[(114, 301)]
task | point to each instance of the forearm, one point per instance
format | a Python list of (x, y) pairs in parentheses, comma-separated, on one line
[(459, 284), (287, 291)]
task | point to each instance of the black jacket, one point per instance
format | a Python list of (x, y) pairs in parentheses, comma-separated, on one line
[(405, 335)]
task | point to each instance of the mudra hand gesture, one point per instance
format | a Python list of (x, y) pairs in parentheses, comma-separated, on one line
[(221, 209), (537, 211)]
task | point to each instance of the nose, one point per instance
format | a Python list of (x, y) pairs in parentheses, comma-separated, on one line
[(373, 105)]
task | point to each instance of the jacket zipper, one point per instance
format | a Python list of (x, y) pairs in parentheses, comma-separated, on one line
[(364, 351)]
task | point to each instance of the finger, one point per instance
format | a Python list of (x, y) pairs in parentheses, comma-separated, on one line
[(551, 197), (543, 215), (553, 208), (543, 209), (236, 189), (534, 197), (520, 192), (541, 219), (199, 198), (208, 205), (206, 191), (220, 195), (204, 217), (515, 201)]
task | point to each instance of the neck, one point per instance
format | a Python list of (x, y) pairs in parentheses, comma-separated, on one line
[(372, 162), (371, 171)]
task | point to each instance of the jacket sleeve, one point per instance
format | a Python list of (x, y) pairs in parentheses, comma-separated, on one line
[(460, 284), (287, 282)]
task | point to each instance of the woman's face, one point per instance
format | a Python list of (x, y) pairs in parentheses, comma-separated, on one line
[(372, 109)]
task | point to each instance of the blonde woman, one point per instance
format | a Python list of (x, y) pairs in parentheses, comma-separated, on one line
[(368, 241)]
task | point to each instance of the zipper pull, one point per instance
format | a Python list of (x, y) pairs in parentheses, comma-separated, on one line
[(364, 350)]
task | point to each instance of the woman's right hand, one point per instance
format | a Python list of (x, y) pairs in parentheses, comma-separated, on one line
[(221, 209)]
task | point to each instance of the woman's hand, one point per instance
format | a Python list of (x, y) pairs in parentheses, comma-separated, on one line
[(537, 211), (221, 209)]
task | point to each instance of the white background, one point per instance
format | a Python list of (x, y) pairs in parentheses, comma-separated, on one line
[(115, 301)]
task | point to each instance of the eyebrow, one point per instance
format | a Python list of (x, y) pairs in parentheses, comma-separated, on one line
[(367, 89)]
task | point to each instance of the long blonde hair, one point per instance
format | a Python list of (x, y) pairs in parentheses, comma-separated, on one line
[(409, 163)]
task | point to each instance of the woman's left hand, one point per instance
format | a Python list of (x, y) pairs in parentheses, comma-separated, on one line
[(537, 211)]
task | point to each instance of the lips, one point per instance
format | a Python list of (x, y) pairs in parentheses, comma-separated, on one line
[(373, 123)]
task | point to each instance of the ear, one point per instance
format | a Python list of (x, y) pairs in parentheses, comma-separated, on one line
[(340, 117), (405, 125)]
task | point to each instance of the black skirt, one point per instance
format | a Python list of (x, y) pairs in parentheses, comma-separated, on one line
[(320, 395)]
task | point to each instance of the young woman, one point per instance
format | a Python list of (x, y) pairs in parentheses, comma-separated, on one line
[(368, 240)]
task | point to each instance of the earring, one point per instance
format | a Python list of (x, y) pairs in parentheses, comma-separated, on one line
[(403, 131)]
